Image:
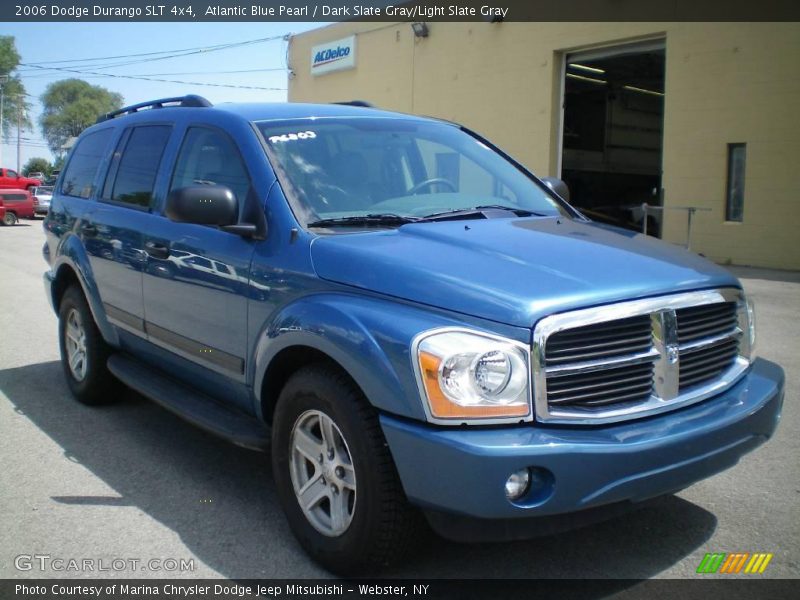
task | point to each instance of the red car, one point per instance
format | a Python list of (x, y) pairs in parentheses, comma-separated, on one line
[(2, 212), (12, 180), (18, 205)]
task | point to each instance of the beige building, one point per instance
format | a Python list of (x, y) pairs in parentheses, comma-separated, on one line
[(698, 115)]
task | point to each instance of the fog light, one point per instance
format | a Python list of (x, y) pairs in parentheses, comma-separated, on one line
[(517, 484)]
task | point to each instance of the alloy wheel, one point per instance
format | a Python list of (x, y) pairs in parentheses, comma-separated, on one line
[(322, 472), (75, 337)]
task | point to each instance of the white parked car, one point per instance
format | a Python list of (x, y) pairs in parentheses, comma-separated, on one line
[(41, 199)]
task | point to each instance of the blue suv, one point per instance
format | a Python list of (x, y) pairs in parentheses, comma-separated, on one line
[(416, 327)]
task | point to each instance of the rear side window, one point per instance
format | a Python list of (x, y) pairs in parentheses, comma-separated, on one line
[(133, 173), (14, 197), (78, 179)]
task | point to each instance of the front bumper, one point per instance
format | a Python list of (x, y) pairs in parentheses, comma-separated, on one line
[(462, 472)]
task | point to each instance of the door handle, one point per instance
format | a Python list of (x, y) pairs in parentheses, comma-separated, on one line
[(156, 249)]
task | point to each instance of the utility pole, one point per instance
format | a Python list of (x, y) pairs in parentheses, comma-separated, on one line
[(19, 133), (3, 79)]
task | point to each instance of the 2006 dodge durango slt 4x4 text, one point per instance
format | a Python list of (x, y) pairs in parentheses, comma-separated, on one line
[(413, 322)]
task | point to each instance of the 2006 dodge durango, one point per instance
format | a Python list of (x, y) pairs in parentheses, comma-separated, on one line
[(416, 327)]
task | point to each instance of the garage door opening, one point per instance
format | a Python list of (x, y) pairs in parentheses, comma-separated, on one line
[(612, 133)]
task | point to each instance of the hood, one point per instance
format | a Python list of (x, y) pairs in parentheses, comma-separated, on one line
[(513, 271)]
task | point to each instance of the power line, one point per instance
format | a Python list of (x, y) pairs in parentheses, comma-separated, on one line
[(141, 78), (265, 70), (42, 67), (180, 52), (27, 144), (212, 72), (106, 65)]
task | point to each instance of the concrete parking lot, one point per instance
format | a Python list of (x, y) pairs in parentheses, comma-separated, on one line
[(132, 481)]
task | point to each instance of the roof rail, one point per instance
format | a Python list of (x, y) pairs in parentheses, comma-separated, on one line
[(184, 101), (361, 103)]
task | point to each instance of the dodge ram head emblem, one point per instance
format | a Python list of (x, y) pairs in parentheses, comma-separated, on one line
[(672, 353)]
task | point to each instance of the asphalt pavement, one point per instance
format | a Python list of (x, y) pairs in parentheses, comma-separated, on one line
[(132, 482)]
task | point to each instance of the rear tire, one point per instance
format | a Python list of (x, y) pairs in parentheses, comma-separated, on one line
[(10, 219), (84, 352), (355, 474)]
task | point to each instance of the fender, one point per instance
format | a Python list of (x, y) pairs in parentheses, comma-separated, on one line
[(71, 254), (369, 337)]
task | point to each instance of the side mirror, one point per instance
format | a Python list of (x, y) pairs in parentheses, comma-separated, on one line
[(203, 205), (558, 186)]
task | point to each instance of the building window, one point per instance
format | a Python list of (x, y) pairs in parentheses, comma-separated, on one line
[(734, 201)]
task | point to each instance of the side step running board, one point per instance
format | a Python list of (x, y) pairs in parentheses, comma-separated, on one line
[(198, 409)]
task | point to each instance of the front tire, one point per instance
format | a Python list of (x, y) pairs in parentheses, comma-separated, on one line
[(10, 219), (336, 480), (84, 352)]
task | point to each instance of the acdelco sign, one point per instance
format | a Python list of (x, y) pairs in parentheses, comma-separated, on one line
[(334, 56)]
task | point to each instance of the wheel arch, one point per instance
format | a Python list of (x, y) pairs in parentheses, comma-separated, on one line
[(365, 337), (65, 276), (286, 363), (72, 268)]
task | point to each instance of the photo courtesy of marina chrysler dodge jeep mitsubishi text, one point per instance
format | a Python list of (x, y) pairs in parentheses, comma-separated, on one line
[(417, 327)]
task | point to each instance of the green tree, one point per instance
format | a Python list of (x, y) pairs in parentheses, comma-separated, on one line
[(14, 104), (70, 106), (38, 164)]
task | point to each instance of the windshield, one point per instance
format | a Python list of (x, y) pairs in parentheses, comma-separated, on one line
[(339, 168)]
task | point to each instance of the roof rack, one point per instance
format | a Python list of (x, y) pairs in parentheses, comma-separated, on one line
[(361, 103), (183, 101)]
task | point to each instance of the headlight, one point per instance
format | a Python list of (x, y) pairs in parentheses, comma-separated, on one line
[(747, 323), (467, 375)]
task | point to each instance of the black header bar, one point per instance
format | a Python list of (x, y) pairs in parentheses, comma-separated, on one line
[(401, 10), (698, 588)]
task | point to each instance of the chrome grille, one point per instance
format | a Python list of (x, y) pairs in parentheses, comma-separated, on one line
[(639, 357), (602, 387), (699, 365), (626, 336), (601, 341), (711, 320)]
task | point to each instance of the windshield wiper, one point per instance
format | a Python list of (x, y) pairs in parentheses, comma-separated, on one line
[(476, 211), (377, 220)]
